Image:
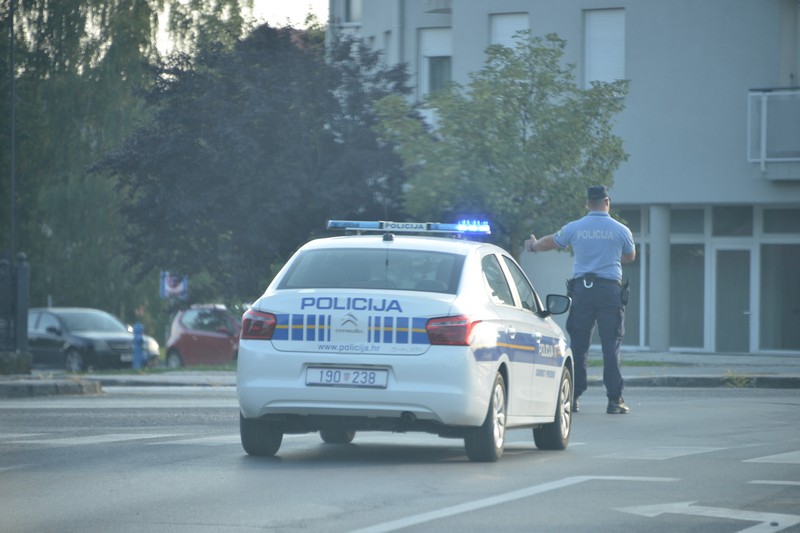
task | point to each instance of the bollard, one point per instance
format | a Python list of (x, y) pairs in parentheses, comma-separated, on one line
[(138, 345)]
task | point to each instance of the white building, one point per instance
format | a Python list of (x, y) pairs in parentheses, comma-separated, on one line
[(712, 126)]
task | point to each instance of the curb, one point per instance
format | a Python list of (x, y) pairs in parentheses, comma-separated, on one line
[(48, 387), (708, 382)]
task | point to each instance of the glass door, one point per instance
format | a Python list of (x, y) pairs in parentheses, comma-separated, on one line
[(732, 331)]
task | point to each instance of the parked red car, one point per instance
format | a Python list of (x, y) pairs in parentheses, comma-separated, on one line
[(204, 334)]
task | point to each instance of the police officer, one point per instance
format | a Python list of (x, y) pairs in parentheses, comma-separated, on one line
[(600, 245)]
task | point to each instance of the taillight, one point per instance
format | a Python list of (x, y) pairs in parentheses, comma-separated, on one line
[(450, 330), (258, 325)]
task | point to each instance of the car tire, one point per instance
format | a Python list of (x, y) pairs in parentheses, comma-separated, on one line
[(73, 360), (555, 436), (337, 436), (486, 443), (259, 437), (174, 360)]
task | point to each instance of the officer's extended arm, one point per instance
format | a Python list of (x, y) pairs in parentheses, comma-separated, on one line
[(628, 258), (540, 245)]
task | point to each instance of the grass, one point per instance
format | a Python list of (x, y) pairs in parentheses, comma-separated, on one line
[(230, 367), (599, 362), (732, 379)]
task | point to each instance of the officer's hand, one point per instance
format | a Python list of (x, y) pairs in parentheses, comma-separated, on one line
[(530, 242)]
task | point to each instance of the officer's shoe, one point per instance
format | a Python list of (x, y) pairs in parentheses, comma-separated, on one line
[(575, 405), (617, 407)]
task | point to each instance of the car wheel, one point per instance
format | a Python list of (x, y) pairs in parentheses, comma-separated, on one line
[(73, 360), (174, 360), (337, 436), (486, 443), (555, 436), (259, 437)]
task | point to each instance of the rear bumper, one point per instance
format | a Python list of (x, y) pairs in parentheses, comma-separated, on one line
[(445, 386)]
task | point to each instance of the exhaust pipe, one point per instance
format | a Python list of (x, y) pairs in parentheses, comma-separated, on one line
[(408, 418)]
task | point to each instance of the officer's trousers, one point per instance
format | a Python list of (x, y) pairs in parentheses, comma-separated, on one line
[(601, 304)]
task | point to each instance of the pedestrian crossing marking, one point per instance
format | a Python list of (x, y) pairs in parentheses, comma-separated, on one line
[(661, 453), (95, 439), (775, 482), (217, 440), (790, 458)]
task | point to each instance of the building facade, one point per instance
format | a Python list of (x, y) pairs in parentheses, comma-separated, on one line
[(711, 124)]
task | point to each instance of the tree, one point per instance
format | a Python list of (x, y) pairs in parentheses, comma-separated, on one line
[(519, 145), (251, 150), (80, 68)]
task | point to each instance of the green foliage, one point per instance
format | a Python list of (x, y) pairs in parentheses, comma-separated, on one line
[(81, 68), (250, 151), (518, 146)]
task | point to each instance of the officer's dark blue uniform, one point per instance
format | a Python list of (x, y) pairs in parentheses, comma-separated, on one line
[(599, 244)]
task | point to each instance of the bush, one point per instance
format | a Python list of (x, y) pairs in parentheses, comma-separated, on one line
[(15, 363)]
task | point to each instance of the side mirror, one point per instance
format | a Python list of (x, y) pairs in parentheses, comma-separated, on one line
[(53, 330), (557, 304)]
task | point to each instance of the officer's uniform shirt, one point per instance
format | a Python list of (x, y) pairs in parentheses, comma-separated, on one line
[(598, 241)]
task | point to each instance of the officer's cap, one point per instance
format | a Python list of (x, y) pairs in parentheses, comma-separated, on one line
[(597, 192)]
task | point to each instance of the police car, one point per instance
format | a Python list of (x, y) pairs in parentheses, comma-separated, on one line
[(386, 331)]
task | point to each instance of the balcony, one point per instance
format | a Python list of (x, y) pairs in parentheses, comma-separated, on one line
[(773, 126)]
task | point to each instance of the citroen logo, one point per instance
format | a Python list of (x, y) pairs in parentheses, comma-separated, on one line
[(349, 320)]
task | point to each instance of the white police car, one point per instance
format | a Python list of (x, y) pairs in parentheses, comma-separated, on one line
[(400, 333)]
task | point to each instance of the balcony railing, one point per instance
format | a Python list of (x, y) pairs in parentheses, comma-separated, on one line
[(773, 129)]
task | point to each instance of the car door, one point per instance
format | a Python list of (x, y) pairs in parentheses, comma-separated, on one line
[(514, 336), (209, 339), (45, 339), (546, 336)]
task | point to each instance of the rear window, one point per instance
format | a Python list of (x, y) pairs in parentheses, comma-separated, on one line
[(343, 268)]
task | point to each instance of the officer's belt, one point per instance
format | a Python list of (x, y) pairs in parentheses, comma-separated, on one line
[(600, 281)]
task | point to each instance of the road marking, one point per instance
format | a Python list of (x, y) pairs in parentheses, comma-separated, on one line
[(497, 500), (15, 436), (660, 453), (766, 521), (775, 482), (15, 467), (218, 440), (96, 439), (791, 458)]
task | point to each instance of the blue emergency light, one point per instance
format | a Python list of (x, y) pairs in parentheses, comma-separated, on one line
[(480, 227)]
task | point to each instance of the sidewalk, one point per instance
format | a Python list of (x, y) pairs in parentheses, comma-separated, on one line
[(640, 369)]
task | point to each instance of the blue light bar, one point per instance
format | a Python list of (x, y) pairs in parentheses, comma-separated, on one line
[(462, 227)]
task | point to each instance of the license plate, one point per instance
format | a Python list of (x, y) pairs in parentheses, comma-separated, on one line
[(126, 358), (347, 377)]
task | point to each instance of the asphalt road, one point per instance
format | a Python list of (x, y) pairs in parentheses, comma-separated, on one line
[(169, 459)]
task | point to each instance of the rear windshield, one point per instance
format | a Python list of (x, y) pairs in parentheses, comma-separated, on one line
[(411, 270)]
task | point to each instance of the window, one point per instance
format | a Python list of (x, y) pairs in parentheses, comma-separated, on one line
[(413, 270), (604, 41), (782, 221), (780, 294), (496, 283), (505, 26), (526, 294), (48, 321), (438, 73), (632, 218), (352, 10), (686, 221), (435, 62), (732, 221)]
